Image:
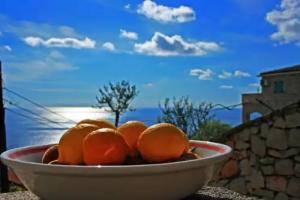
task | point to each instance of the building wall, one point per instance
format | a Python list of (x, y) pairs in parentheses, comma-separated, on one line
[(291, 84), (275, 101), (266, 158)]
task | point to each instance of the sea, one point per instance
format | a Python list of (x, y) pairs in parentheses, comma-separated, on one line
[(37, 126)]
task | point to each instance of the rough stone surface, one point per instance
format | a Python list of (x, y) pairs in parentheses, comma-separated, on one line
[(276, 183), (279, 122), (256, 179), (297, 170), (281, 196), (240, 155), (267, 170), (241, 145), (293, 187), (293, 120), (267, 161), (263, 193), (294, 137), (238, 185), (244, 135), (284, 167), (245, 167), (297, 158), (264, 130), (253, 159), (212, 193), (230, 169), (283, 153), (258, 145), (277, 139), (254, 129)]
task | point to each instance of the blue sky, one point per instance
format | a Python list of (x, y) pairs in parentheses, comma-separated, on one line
[(59, 52)]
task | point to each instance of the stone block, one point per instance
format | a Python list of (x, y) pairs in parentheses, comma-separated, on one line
[(244, 135), (281, 196), (267, 161), (283, 153), (254, 130), (293, 120), (258, 145), (256, 179), (264, 193), (293, 187), (264, 130), (253, 160), (284, 167), (241, 145), (279, 122), (230, 169), (297, 158), (276, 183), (238, 185), (294, 137), (240, 155), (267, 169), (297, 170), (277, 139), (245, 167)]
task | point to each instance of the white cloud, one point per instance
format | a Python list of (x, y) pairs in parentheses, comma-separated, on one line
[(109, 46), (60, 42), (287, 21), (166, 14), (226, 87), (127, 6), (128, 35), (225, 75), (163, 45), (241, 74), (202, 74), (7, 48)]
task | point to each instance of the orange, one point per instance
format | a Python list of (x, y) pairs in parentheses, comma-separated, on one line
[(162, 142), (104, 146), (101, 123), (70, 144), (50, 154), (131, 131)]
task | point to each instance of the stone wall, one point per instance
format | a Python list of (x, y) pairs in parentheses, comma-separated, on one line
[(266, 157)]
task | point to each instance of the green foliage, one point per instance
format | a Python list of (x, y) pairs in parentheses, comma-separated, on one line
[(213, 130), (184, 114), (117, 96)]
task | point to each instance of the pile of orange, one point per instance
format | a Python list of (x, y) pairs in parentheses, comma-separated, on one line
[(99, 142)]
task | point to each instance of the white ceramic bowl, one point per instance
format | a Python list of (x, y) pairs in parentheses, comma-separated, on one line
[(174, 180)]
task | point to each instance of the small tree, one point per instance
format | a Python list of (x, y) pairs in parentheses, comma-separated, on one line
[(213, 130), (117, 96), (185, 115)]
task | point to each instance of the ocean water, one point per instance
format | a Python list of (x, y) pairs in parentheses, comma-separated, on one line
[(49, 126)]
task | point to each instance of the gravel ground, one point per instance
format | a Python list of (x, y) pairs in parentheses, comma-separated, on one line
[(206, 193)]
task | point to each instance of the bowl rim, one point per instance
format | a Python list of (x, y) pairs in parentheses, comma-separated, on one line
[(223, 152)]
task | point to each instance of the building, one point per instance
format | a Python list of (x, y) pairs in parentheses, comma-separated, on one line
[(279, 88)]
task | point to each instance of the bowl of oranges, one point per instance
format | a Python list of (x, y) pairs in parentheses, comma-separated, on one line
[(96, 160)]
